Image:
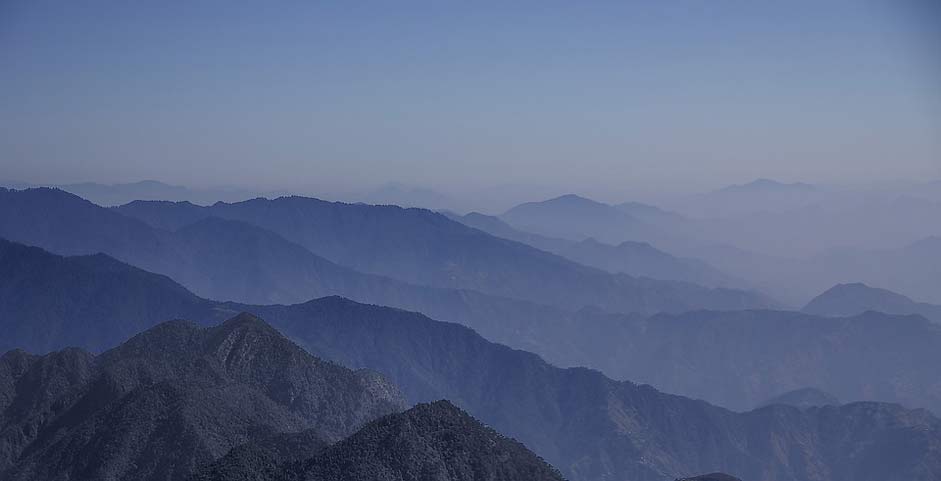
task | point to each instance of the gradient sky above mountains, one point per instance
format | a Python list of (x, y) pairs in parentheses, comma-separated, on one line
[(626, 95)]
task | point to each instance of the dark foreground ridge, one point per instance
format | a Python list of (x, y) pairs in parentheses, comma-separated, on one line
[(430, 441), (711, 477), (171, 399)]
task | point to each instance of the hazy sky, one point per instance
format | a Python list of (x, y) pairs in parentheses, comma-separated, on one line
[(642, 95)]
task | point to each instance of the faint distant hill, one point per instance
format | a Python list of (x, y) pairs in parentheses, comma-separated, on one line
[(739, 231), (760, 195), (804, 398), (914, 269), (768, 185), (171, 399), (495, 226), (833, 220), (575, 218), (651, 214), (632, 258), (429, 441), (856, 298), (403, 195), (589, 426), (118, 194), (643, 259)]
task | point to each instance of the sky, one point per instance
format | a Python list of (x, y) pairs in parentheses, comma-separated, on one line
[(599, 96)]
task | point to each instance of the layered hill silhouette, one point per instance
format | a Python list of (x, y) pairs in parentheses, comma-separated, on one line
[(171, 399), (734, 359), (429, 441), (425, 248), (96, 301), (435, 252), (740, 359), (592, 427), (830, 235), (633, 258), (856, 298)]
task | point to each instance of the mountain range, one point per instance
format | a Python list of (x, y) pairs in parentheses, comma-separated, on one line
[(790, 240), (414, 246), (425, 248), (634, 258), (734, 359), (587, 425)]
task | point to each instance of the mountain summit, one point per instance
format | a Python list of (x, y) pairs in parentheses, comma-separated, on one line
[(852, 299)]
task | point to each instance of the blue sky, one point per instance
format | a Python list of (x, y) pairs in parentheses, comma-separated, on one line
[(597, 95)]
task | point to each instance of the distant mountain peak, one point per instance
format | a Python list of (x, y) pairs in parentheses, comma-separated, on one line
[(246, 322), (769, 185), (930, 242), (573, 199), (855, 298), (430, 441)]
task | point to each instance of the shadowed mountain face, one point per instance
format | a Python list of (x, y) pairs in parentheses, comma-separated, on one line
[(171, 399), (425, 248), (264, 459), (853, 299), (91, 301), (590, 426), (804, 398), (430, 441), (632, 258)]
